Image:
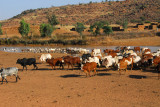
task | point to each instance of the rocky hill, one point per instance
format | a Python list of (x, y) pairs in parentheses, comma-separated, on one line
[(113, 12)]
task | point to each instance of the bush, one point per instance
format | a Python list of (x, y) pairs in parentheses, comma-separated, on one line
[(147, 22), (107, 30), (46, 30), (80, 28), (53, 20), (1, 32), (24, 28)]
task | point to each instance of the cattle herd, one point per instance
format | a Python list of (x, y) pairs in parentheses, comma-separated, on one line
[(120, 58)]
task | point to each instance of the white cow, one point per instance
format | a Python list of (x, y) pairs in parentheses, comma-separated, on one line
[(96, 52), (4, 72), (44, 57), (93, 59), (108, 61)]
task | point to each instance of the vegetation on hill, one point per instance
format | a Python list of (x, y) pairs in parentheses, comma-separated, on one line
[(111, 11)]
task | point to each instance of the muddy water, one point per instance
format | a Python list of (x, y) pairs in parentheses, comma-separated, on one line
[(18, 49)]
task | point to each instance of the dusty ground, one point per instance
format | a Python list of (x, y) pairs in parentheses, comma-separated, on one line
[(70, 88)]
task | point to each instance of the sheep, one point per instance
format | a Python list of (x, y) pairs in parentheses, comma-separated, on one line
[(4, 72)]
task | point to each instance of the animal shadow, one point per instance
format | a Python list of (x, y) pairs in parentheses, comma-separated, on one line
[(70, 76), (137, 76), (104, 74)]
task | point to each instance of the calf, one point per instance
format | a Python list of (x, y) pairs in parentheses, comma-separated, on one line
[(72, 61), (4, 72), (53, 62), (88, 67), (122, 65), (24, 62)]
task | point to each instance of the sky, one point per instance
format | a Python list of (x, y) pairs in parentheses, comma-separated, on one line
[(10, 8)]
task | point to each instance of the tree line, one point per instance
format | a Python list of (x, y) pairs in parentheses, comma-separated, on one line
[(46, 29)]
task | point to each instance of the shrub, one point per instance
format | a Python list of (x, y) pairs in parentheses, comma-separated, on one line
[(24, 28), (53, 20), (46, 30), (147, 22), (107, 30), (80, 28), (1, 32)]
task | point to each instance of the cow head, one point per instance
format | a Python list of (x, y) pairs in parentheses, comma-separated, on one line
[(18, 61), (105, 62)]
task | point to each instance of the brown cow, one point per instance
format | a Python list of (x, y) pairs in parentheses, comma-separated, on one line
[(129, 60), (55, 61), (111, 51), (137, 49), (158, 70), (122, 66), (113, 54), (71, 61), (88, 67), (108, 50), (156, 60)]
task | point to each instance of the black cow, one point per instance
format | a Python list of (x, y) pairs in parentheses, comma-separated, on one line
[(85, 56), (24, 62)]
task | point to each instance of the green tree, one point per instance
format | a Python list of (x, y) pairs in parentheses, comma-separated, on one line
[(98, 25), (107, 30), (46, 30), (53, 20), (1, 32), (24, 28), (80, 28)]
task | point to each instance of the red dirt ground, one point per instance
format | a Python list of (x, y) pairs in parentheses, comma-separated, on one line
[(70, 88)]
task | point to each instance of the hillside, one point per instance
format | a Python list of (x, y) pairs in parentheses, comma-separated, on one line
[(91, 12)]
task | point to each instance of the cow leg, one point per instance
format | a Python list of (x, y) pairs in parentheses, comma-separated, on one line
[(61, 65), (23, 68), (86, 73), (17, 77), (6, 79), (35, 66), (158, 75), (89, 73), (131, 66), (95, 72), (119, 71), (125, 70), (2, 80), (72, 66), (68, 66), (54, 67), (26, 68)]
